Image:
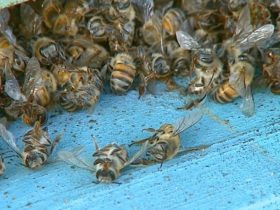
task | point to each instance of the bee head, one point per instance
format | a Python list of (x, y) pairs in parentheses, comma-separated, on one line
[(160, 65), (206, 55), (105, 171)]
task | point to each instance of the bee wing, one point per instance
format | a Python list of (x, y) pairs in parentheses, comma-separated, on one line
[(144, 9), (186, 41), (9, 138), (267, 43), (30, 18), (256, 37), (243, 26), (12, 87), (71, 157), (32, 67), (137, 155), (187, 121), (4, 28), (247, 106)]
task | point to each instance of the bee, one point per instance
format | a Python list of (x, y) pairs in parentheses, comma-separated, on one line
[(108, 162), (67, 22), (121, 36), (206, 64), (8, 56), (123, 71), (180, 61), (83, 91), (39, 82), (172, 20), (83, 52), (271, 69), (241, 64), (29, 111), (152, 29), (37, 145), (47, 51), (50, 11), (241, 76), (2, 166), (97, 28), (164, 144), (121, 9)]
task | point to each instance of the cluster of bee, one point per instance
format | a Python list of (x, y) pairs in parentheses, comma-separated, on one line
[(64, 52)]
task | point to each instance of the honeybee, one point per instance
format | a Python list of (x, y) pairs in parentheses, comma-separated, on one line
[(37, 145), (8, 57), (164, 144), (83, 92), (239, 84), (206, 64), (180, 61), (108, 161), (121, 9), (123, 71), (172, 20), (121, 36), (152, 29), (241, 64), (50, 11), (97, 28), (39, 83), (29, 111), (2, 166), (48, 51), (83, 52), (271, 69)]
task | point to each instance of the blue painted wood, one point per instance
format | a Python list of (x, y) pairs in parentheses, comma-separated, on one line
[(239, 171)]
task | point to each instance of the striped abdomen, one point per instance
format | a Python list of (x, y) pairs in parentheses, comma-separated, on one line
[(123, 72), (84, 97), (225, 93), (172, 20)]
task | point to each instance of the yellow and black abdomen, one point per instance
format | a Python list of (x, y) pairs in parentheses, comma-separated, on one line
[(225, 93), (123, 72)]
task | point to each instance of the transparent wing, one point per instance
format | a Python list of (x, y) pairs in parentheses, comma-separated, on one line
[(144, 9), (12, 87), (30, 19), (137, 155), (4, 28), (32, 67), (247, 106), (187, 121), (259, 35), (9, 138), (186, 41), (243, 26), (71, 157)]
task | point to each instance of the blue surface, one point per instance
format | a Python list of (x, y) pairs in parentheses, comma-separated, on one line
[(239, 171)]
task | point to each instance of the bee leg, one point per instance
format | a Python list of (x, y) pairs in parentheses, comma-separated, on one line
[(142, 86), (193, 149), (143, 162), (138, 142), (54, 143), (171, 84)]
